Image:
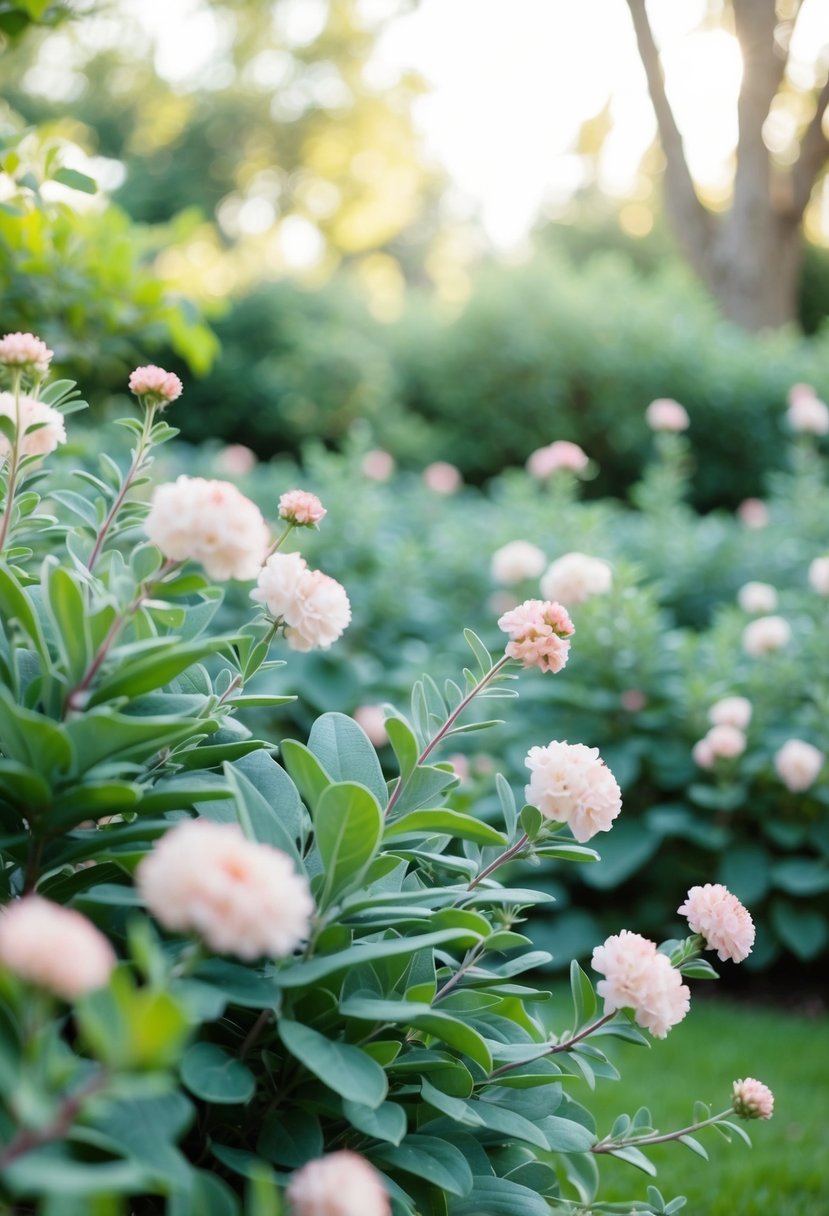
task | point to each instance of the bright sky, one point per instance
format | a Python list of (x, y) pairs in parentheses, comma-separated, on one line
[(511, 81)]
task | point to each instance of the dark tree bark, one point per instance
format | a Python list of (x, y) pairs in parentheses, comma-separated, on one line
[(748, 257)]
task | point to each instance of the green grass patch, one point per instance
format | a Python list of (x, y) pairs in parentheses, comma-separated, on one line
[(786, 1173)]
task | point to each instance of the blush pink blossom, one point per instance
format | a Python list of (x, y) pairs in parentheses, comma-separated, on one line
[(373, 721), (50, 431), (703, 753), (798, 764), (665, 414), (53, 947), (236, 460), (639, 978), (570, 783), (633, 700), (539, 633), (314, 608), (753, 512), (562, 454), (731, 711), (340, 1184), (155, 385), (210, 522), (460, 763), (757, 597), (516, 561), (807, 414), (719, 917), (752, 1099), (442, 478), (819, 575), (378, 465), (240, 897), (25, 350), (575, 577), (302, 508), (726, 742), (765, 635)]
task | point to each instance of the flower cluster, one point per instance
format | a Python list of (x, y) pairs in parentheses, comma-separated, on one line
[(720, 918), (798, 764), (562, 454), (639, 978), (752, 1099), (40, 427), (210, 522), (665, 414), (807, 414), (757, 598), (576, 577), (155, 386), (301, 508), (539, 633), (765, 635), (571, 784), (25, 351), (726, 739), (241, 897), (314, 608), (55, 948), (516, 561)]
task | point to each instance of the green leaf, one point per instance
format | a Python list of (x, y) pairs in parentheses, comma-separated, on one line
[(803, 930), (567, 1136), (344, 751), (423, 788), (76, 181), (344, 1068), (68, 611), (211, 1073), (241, 985), (801, 876), (305, 770), (167, 658), (584, 998), (694, 1145), (290, 1139), (300, 975), (482, 656), (348, 824), (260, 819), (509, 808), (385, 1122), (434, 1022), (634, 1156), (34, 740), (445, 822), (437, 1161), (404, 745), (501, 1197)]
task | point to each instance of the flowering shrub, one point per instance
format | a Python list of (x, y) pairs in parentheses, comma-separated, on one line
[(227, 979)]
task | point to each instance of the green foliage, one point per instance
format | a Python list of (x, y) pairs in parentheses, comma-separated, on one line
[(197, 1082)]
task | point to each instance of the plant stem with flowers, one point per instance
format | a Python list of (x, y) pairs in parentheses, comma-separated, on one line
[(14, 464)]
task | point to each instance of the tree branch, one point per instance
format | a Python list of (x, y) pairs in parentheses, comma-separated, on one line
[(814, 152), (692, 223)]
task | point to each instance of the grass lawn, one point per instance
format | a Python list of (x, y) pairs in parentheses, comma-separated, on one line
[(786, 1173)]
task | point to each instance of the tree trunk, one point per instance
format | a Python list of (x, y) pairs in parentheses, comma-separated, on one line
[(754, 272)]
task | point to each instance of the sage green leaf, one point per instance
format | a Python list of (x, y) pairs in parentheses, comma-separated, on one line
[(290, 1139), (445, 822), (302, 974), (344, 751), (437, 1161), (305, 770), (342, 1067), (385, 1122), (213, 1074), (348, 824)]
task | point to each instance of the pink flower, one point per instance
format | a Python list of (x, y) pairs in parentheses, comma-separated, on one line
[(236, 460), (798, 764), (50, 432), (562, 454), (807, 413), (753, 512), (378, 465), (516, 561), (638, 977), (240, 897), (726, 742), (442, 477), (314, 607), (210, 522), (633, 700), (53, 947), (575, 577), (703, 753), (340, 1184), (155, 385), (373, 721), (719, 917), (460, 763), (302, 508), (752, 1099), (539, 631), (665, 414), (25, 350), (757, 597), (819, 575), (571, 784), (731, 711), (765, 635)]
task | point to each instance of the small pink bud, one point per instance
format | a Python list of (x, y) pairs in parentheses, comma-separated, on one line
[(25, 350), (154, 385), (752, 1099), (301, 508)]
